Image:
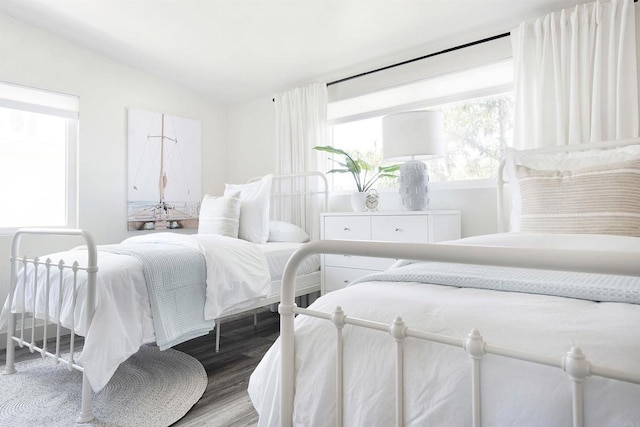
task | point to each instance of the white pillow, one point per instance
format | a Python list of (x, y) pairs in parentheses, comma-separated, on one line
[(220, 215), (280, 231), (254, 208), (563, 161)]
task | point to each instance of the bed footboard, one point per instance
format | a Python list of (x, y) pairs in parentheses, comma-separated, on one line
[(574, 363), (16, 334)]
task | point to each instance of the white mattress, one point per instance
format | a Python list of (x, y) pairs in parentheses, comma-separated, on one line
[(277, 255)]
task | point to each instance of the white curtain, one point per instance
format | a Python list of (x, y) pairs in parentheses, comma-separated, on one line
[(301, 124), (575, 76)]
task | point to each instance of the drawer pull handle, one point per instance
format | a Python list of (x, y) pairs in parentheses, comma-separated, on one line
[(347, 229), (398, 229)]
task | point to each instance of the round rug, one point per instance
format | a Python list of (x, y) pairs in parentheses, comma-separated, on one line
[(152, 388)]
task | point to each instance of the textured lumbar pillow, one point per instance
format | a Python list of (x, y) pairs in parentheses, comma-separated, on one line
[(220, 215), (602, 199), (254, 208)]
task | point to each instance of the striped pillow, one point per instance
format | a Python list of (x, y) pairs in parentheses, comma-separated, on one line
[(220, 215), (602, 199)]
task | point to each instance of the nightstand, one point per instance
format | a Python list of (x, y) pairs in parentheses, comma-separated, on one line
[(402, 227)]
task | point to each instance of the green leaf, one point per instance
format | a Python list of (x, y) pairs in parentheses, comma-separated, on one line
[(392, 168), (339, 171), (353, 165), (364, 165), (330, 149), (359, 168)]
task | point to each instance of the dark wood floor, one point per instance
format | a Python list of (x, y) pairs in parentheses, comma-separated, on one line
[(225, 402)]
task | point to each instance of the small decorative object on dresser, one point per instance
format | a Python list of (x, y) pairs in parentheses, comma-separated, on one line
[(372, 201), (359, 169), (401, 227)]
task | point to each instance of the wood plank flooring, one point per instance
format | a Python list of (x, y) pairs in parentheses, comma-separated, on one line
[(225, 402)]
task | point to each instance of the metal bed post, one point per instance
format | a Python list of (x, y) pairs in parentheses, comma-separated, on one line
[(398, 332), (91, 269), (9, 367), (287, 361), (475, 348), (338, 318), (577, 367)]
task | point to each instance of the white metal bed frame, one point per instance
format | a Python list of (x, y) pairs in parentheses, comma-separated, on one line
[(575, 364), (311, 284)]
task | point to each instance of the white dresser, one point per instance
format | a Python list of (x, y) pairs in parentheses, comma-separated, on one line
[(405, 227)]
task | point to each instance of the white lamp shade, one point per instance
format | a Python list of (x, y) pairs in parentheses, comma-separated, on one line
[(413, 135)]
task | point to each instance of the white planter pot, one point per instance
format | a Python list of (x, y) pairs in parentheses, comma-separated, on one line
[(358, 202)]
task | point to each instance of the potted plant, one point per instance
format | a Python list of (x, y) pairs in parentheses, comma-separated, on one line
[(364, 174)]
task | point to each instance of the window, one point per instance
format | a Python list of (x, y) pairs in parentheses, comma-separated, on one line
[(38, 146), (478, 118)]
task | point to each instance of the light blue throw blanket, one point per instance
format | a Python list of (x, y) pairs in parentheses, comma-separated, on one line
[(176, 283), (588, 286)]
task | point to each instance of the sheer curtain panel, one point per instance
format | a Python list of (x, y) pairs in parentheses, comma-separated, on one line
[(575, 76), (301, 124)]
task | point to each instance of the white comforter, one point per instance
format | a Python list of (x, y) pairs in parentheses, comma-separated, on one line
[(237, 275), (437, 389)]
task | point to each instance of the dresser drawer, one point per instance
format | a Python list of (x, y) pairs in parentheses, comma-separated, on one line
[(338, 277), (347, 228), (397, 228), (358, 261)]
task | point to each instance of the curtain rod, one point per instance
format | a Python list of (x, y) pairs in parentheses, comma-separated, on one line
[(408, 61)]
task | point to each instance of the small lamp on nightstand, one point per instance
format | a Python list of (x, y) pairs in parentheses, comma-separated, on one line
[(413, 136)]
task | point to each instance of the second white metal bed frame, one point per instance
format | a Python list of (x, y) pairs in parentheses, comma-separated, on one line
[(574, 363)]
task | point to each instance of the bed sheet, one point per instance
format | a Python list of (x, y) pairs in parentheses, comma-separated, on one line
[(277, 255), (437, 391)]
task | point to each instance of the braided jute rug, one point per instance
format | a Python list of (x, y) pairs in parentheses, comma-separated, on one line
[(152, 388)]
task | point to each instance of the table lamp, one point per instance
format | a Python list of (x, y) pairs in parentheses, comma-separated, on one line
[(413, 136)]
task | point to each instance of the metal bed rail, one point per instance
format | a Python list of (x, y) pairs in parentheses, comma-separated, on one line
[(18, 280), (574, 363)]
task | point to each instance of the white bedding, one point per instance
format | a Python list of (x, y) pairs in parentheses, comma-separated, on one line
[(277, 255), (237, 275), (514, 392)]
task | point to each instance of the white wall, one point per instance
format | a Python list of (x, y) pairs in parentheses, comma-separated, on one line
[(106, 89), (252, 149)]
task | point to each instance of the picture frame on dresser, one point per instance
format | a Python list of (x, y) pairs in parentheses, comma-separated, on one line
[(338, 271)]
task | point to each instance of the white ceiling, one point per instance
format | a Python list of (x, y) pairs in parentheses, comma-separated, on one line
[(236, 50)]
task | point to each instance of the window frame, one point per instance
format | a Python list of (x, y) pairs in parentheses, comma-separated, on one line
[(67, 108), (435, 102)]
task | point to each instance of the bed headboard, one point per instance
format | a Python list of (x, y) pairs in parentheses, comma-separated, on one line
[(299, 198), (504, 203)]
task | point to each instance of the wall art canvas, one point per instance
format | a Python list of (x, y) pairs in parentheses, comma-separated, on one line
[(163, 171)]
